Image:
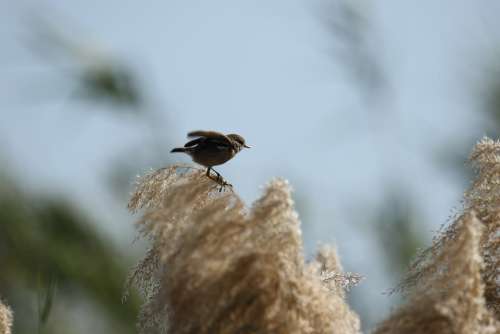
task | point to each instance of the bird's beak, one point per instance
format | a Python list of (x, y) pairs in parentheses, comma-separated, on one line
[(247, 146)]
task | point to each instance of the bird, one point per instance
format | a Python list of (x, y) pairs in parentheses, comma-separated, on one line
[(211, 148)]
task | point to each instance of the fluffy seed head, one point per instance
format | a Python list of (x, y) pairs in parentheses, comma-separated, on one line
[(216, 266), (5, 319)]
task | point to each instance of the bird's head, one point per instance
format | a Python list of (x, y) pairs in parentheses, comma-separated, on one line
[(238, 139)]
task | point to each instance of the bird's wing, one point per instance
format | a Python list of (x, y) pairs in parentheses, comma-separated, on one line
[(213, 136), (193, 142)]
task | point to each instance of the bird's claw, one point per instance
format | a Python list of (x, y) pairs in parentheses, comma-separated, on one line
[(220, 181), (224, 185)]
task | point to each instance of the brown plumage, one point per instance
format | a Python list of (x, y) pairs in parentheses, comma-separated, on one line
[(211, 148)]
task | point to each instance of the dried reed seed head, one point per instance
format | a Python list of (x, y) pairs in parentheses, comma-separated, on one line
[(327, 265), (6, 319), (453, 285), (446, 294), (484, 198), (245, 296), (328, 258), (153, 188), (216, 268)]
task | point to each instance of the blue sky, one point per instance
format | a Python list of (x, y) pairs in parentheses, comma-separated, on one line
[(271, 71)]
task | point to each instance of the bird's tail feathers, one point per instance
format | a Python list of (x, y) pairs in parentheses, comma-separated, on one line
[(179, 150)]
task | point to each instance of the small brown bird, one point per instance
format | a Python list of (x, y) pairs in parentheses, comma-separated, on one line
[(212, 148)]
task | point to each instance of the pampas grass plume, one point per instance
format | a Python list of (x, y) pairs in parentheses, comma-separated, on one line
[(452, 286), (216, 266), (6, 319)]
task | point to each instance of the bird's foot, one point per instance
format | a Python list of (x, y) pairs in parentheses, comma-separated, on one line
[(217, 173), (220, 181), (225, 186)]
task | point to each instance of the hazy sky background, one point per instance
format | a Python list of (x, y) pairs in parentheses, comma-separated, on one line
[(271, 71)]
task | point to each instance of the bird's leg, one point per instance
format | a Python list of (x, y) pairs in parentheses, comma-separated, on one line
[(220, 180), (218, 175), (210, 176), (216, 172)]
